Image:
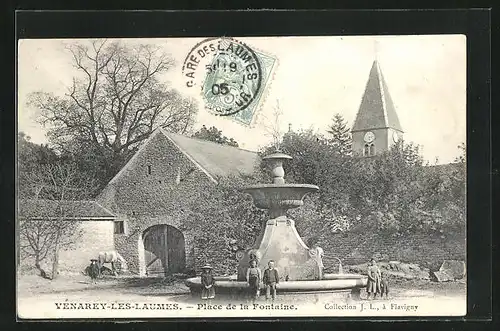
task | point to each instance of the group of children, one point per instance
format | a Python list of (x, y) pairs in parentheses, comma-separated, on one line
[(270, 279), (254, 278), (377, 284)]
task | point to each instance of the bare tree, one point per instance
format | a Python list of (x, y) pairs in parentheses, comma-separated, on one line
[(272, 126), (36, 241), (53, 223), (116, 100)]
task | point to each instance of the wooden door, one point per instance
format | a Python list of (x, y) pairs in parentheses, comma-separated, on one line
[(155, 250), (175, 250), (164, 250)]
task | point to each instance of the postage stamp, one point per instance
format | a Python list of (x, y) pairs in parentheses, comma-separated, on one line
[(231, 75), (167, 211), (230, 71)]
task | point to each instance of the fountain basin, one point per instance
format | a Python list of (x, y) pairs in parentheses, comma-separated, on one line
[(330, 283), (269, 196), (277, 156)]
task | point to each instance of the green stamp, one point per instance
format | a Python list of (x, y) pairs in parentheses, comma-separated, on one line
[(229, 74)]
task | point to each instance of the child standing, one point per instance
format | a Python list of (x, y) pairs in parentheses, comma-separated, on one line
[(271, 278), (384, 286), (253, 279), (207, 283), (373, 284), (319, 259)]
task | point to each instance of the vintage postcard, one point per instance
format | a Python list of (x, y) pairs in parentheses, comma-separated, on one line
[(241, 177)]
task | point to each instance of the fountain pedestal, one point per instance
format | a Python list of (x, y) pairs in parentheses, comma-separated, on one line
[(279, 240), (282, 244)]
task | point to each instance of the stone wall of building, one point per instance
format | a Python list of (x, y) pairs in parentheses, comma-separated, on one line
[(153, 189), (426, 250), (94, 237)]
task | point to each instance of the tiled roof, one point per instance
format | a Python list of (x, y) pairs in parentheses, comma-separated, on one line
[(376, 109), (54, 209), (217, 159)]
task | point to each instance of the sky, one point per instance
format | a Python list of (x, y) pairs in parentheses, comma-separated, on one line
[(315, 78)]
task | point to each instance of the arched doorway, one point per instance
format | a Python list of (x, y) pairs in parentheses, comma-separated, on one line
[(164, 250)]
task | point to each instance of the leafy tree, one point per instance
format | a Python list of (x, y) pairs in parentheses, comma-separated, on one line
[(445, 187), (215, 135), (116, 101), (307, 150), (340, 135), (386, 189), (394, 193), (220, 216), (316, 162)]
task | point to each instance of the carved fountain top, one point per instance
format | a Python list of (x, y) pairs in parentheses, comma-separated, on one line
[(279, 196)]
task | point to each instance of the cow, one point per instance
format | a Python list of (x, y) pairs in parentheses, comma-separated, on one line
[(112, 257)]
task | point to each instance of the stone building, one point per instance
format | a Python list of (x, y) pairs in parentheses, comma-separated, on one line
[(147, 198), (139, 212), (376, 127)]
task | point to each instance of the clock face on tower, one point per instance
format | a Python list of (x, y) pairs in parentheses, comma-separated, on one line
[(369, 137), (395, 137)]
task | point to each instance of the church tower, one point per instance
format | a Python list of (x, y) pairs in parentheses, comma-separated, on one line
[(377, 126)]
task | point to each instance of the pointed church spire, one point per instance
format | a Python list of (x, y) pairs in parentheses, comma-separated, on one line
[(376, 110)]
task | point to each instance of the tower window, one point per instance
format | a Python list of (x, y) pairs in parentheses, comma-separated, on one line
[(119, 227), (372, 149), (369, 149), (149, 169)]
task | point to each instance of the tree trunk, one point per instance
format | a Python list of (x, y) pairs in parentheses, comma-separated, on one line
[(37, 265), (55, 263)]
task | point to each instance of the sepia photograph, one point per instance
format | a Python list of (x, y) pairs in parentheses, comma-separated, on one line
[(279, 176)]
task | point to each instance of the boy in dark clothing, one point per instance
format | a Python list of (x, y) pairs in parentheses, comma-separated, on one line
[(93, 270), (270, 279)]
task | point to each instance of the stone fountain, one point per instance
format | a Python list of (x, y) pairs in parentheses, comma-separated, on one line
[(279, 240)]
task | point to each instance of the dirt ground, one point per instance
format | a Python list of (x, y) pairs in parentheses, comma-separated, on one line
[(38, 297)]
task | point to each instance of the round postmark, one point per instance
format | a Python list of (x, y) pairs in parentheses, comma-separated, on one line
[(227, 71)]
